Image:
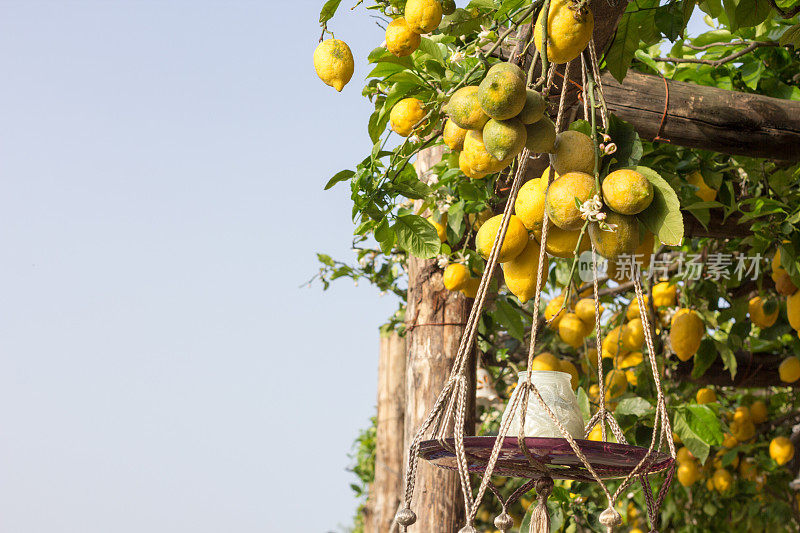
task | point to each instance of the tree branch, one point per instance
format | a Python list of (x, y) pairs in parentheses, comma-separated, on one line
[(788, 13), (721, 61)]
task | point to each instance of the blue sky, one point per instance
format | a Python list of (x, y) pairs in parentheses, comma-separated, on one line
[(161, 202)]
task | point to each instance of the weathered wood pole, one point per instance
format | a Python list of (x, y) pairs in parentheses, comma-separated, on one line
[(386, 491), (435, 319)]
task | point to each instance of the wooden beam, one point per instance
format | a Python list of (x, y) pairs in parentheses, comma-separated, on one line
[(709, 118), (753, 370)]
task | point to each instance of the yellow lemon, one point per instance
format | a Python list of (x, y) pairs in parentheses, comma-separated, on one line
[(573, 152), (686, 332), (568, 31), (629, 360), (515, 241), (529, 206), (423, 16), (546, 361), (502, 95), (704, 192), (633, 335), (759, 412), (783, 283), (664, 294), (569, 368), (729, 441), (521, 273), (616, 384), (541, 136), (535, 107), (504, 138), (781, 450), (478, 157), (465, 164), (401, 40), (594, 393), (688, 473), (440, 225), (706, 395), (789, 369), (741, 414), (756, 309), (572, 330), (683, 455), (722, 480), (630, 375), (470, 289), (465, 110), (505, 66), (633, 308), (561, 197), (793, 310), (455, 276), (585, 310), (562, 243), (627, 192), (597, 432), (612, 344), (621, 239), (453, 135), (405, 115), (743, 431), (333, 62), (553, 313)]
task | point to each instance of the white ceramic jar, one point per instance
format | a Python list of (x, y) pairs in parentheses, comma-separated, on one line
[(558, 395)]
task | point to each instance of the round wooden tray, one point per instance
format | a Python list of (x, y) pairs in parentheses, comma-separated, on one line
[(610, 460)]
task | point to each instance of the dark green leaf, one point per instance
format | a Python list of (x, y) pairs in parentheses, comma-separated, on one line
[(751, 12), (510, 318), (663, 217), (669, 20), (432, 49), (791, 36), (344, 175), (417, 236), (703, 359), (328, 10), (626, 41), (629, 146), (583, 405), (728, 357)]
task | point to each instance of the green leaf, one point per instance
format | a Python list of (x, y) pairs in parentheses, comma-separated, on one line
[(704, 422), (507, 7), (690, 439), (583, 126), (642, 56), (751, 12), (629, 146), (510, 318), (663, 217), (463, 22), (328, 10), (343, 175), (791, 36), (669, 20), (728, 357), (583, 405), (432, 49), (633, 406), (704, 358), (417, 236), (626, 42), (384, 235)]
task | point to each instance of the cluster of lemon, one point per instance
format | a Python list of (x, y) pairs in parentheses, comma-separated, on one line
[(789, 368), (420, 17), (742, 423)]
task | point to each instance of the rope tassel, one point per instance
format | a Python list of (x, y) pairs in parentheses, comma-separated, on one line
[(540, 518)]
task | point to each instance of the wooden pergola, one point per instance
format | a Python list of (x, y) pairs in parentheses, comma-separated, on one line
[(413, 369)]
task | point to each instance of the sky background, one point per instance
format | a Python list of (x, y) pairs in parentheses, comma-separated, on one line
[(161, 202)]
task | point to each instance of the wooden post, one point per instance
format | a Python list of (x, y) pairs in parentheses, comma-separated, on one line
[(435, 319), (386, 491)]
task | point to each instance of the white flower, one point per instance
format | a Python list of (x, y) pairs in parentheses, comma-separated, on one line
[(610, 148), (442, 261), (444, 207), (415, 138), (362, 262), (355, 282), (484, 34), (591, 209), (457, 56), (383, 293), (433, 179)]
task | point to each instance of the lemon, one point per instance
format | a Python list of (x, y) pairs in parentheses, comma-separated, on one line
[(470, 289), (793, 310), (748, 470), (568, 31), (401, 40), (477, 156), (504, 138), (406, 114), (686, 332), (743, 431), (515, 241), (529, 206), (627, 192), (781, 450), (789, 369), (561, 197), (573, 151), (448, 8), (535, 107), (688, 473), (562, 243), (722, 480), (585, 310), (633, 335), (453, 135), (546, 361), (683, 455), (616, 384), (569, 368), (633, 308), (621, 240), (591, 357), (596, 434), (502, 95), (465, 110), (759, 412), (505, 66), (441, 227), (629, 360), (465, 164), (729, 441), (520, 273), (704, 192), (553, 312), (717, 463), (541, 136), (741, 415), (783, 283), (333, 62), (664, 294), (455, 276), (572, 330), (706, 395), (612, 343), (423, 16), (630, 375)]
